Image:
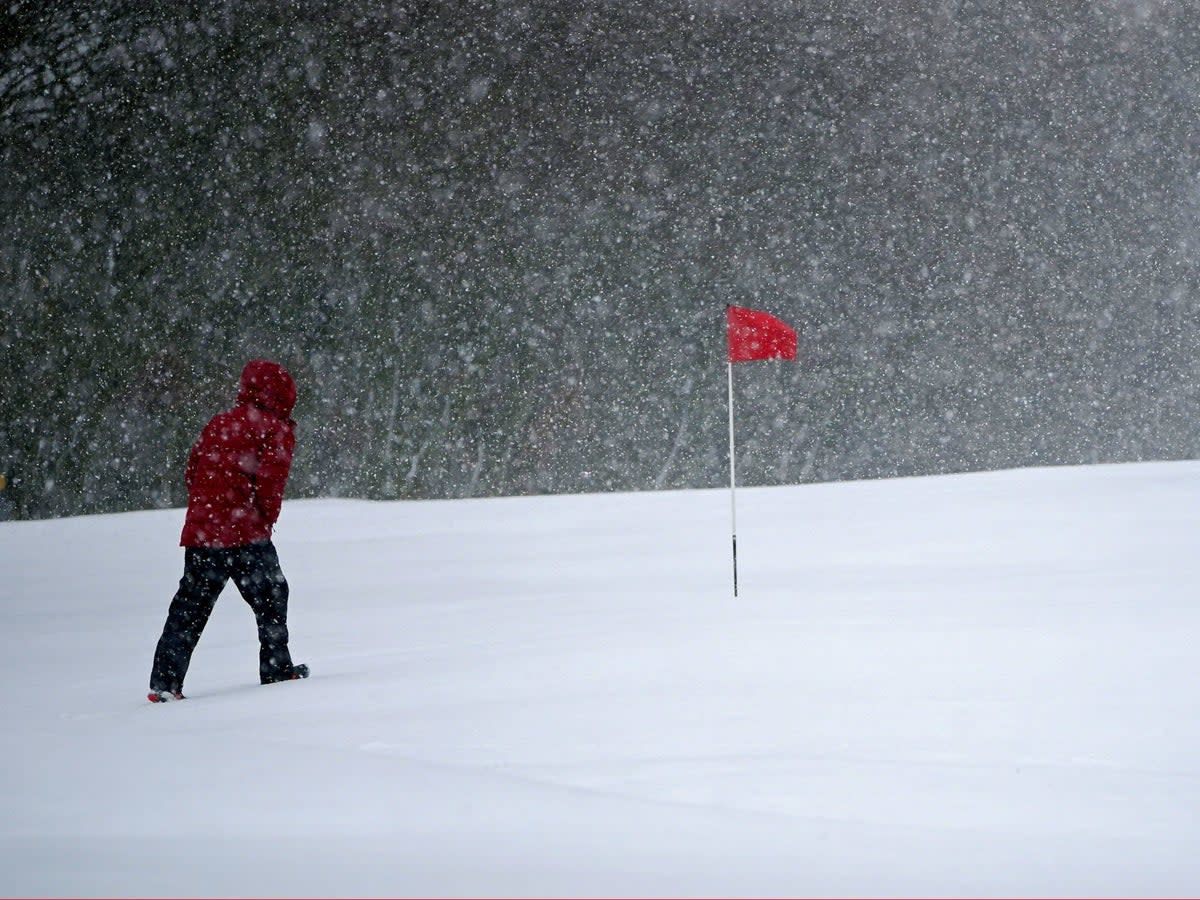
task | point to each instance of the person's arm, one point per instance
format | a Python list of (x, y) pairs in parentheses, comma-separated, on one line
[(274, 463), (189, 473)]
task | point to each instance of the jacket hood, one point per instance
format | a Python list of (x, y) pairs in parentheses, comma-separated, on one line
[(269, 386)]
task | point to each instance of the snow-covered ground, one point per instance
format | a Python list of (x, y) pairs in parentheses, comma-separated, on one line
[(979, 684)]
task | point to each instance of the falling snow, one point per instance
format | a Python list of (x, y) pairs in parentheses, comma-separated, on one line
[(494, 240)]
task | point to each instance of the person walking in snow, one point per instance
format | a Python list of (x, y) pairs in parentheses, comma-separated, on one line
[(235, 476)]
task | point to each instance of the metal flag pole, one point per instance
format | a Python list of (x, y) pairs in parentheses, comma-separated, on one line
[(732, 482), (752, 334)]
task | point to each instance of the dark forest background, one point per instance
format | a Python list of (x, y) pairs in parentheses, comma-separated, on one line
[(494, 240)]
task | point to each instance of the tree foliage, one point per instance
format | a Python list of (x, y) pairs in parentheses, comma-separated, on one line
[(493, 239)]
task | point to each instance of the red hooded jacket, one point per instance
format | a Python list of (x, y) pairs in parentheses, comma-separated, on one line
[(239, 465)]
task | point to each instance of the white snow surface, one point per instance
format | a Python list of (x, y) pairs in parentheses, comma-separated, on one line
[(981, 684)]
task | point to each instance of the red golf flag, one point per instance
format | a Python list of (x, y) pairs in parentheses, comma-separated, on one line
[(758, 335)]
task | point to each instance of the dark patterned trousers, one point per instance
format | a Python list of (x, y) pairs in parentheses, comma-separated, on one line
[(255, 570)]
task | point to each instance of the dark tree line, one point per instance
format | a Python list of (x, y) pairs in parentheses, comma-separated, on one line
[(494, 240)]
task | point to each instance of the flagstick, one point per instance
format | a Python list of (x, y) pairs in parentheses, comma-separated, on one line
[(732, 481)]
